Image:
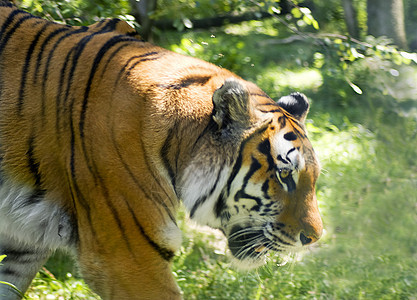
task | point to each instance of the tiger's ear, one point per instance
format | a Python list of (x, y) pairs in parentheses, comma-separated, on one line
[(296, 104), (231, 105)]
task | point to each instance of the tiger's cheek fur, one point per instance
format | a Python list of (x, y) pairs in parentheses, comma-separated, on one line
[(254, 192), (201, 188)]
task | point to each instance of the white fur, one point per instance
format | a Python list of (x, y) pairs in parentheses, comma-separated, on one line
[(281, 146), (44, 224), (171, 237), (197, 182)]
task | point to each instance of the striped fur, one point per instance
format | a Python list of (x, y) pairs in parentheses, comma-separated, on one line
[(102, 135)]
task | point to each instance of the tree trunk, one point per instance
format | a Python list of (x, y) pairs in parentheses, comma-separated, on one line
[(351, 18), (386, 18), (141, 10)]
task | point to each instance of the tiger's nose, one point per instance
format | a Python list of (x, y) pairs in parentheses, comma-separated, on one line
[(307, 238)]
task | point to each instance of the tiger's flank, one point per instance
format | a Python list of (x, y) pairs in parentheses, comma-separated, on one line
[(103, 135)]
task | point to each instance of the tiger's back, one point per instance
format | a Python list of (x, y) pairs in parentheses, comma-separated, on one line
[(101, 136)]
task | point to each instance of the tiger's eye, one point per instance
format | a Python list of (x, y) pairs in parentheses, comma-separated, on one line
[(284, 172)]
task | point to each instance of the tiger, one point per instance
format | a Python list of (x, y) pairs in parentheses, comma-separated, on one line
[(104, 137)]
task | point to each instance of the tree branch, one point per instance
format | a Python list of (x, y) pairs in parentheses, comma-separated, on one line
[(214, 21)]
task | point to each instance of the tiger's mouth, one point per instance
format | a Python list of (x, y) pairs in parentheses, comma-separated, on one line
[(251, 244)]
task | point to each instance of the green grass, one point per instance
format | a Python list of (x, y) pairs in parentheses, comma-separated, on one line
[(367, 191)]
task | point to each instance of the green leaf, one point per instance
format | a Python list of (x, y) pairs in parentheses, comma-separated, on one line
[(355, 53), (187, 23), (296, 12), (355, 88), (275, 10), (14, 288), (409, 56)]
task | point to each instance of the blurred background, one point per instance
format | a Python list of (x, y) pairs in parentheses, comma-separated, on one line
[(355, 60)]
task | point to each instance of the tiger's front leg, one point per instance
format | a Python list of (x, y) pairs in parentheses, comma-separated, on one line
[(125, 258), (19, 267)]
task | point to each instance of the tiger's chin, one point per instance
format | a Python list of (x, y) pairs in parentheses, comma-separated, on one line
[(260, 258), (250, 249), (249, 262)]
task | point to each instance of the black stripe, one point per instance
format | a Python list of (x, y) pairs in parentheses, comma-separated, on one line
[(26, 67), (58, 101), (10, 272), (255, 166), (19, 256), (186, 82), (103, 50), (295, 128), (166, 147), (109, 25), (140, 61), (135, 35), (36, 197), (111, 56), (220, 208), (33, 164), (270, 111), (135, 180), (74, 188), (203, 198), (221, 200), (289, 152), (6, 24), (265, 189), (241, 194), (114, 213), (5, 37), (143, 57), (41, 51), (210, 127), (236, 167), (280, 158), (281, 241), (165, 253), (238, 164), (56, 44), (99, 23), (78, 50), (167, 196), (265, 148), (76, 194), (63, 72)]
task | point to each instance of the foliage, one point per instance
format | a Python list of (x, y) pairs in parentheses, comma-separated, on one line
[(79, 12), (47, 287)]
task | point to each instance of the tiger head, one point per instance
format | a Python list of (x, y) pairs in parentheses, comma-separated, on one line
[(253, 173)]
